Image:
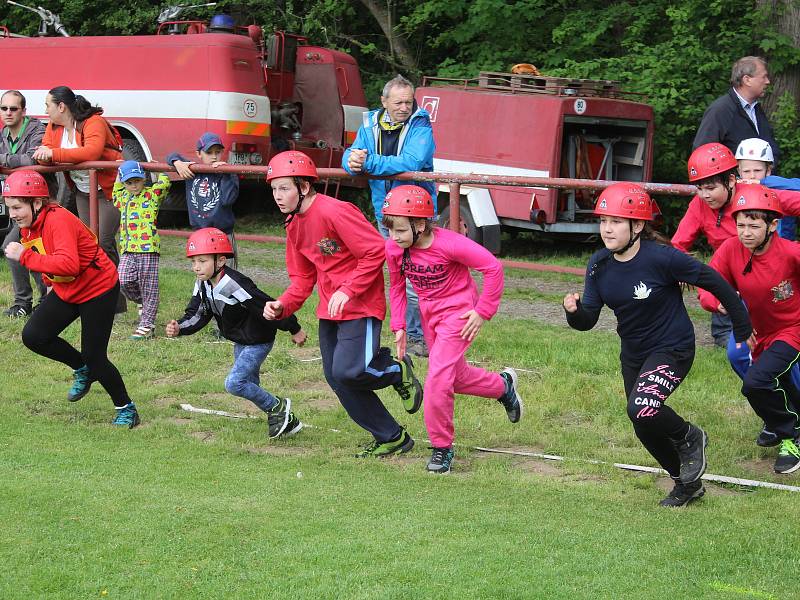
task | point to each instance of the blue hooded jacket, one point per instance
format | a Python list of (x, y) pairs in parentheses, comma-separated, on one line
[(414, 153)]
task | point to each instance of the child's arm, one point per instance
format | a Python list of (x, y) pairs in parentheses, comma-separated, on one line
[(258, 300), (790, 202), (583, 315), (689, 227), (229, 189), (181, 165), (781, 183), (397, 296), (478, 258), (302, 276), (196, 317), (116, 194)]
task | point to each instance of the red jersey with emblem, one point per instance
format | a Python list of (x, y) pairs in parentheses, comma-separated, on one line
[(769, 290), (60, 247), (333, 246)]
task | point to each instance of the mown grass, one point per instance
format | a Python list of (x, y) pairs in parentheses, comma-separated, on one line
[(193, 506)]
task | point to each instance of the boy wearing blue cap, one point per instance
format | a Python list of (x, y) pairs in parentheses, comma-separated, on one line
[(139, 244), (209, 196)]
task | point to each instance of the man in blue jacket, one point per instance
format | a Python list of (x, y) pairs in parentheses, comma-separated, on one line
[(392, 140)]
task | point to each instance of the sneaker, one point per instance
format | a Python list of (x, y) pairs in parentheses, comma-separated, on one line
[(441, 460), (127, 416), (18, 311), (692, 453), (417, 347), (788, 460), (81, 384), (409, 388), (767, 439), (143, 333), (278, 417), (682, 494), (383, 449), (511, 400)]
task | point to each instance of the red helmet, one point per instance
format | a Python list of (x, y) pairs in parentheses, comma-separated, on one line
[(408, 201), (754, 196), (291, 164), (208, 240), (709, 160), (626, 200), (25, 184)]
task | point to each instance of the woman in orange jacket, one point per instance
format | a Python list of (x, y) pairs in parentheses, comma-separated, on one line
[(77, 132)]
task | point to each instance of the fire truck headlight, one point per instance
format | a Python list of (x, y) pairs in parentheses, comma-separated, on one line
[(256, 158)]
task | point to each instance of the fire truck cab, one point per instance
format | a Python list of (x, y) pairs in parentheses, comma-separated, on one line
[(162, 91), (534, 126)]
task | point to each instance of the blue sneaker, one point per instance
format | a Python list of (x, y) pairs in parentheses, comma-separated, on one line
[(81, 384), (127, 416), (441, 461), (511, 400)]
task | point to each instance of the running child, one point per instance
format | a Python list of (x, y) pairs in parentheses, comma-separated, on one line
[(84, 284), (139, 242), (765, 269), (236, 304), (437, 262), (639, 279), (209, 196), (330, 244)]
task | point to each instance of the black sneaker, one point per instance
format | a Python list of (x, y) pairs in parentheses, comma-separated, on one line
[(692, 453), (767, 439), (682, 494), (788, 460), (441, 461), (409, 389), (281, 419), (511, 399), (18, 311)]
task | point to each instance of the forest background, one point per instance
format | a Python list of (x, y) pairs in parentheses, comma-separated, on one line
[(678, 53)]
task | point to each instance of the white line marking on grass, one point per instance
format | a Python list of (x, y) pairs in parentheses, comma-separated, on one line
[(639, 468), (224, 413)]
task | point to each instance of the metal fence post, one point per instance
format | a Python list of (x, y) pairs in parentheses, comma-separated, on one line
[(455, 207), (94, 217)]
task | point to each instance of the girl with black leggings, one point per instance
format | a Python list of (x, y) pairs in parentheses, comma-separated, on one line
[(84, 285), (639, 280)]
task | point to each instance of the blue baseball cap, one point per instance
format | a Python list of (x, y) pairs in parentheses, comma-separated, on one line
[(129, 170), (207, 140)]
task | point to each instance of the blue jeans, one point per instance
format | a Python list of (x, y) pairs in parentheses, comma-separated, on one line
[(413, 317), (243, 379)]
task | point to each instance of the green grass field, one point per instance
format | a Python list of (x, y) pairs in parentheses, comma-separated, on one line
[(195, 506)]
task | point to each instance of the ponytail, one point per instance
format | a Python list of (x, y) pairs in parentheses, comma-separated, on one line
[(80, 108)]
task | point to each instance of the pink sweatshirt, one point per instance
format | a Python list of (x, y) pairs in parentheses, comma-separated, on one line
[(441, 277)]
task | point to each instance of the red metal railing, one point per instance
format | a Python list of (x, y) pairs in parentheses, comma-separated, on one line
[(454, 180)]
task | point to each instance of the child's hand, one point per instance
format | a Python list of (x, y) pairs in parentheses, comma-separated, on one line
[(273, 310), (14, 250), (571, 302), (473, 325), (336, 303), (218, 163), (400, 343), (299, 338), (172, 328), (182, 168), (721, 309)]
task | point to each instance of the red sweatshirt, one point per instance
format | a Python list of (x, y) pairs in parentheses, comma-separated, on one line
[(700, 218), (771, 290), (333, 245), (60, 247)]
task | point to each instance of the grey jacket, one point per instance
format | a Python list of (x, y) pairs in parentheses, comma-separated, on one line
[(30, 140)]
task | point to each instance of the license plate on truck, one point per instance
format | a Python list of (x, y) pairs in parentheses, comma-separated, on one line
[(238, 158)]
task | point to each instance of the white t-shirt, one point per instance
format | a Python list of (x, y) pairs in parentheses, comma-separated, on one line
[(79, 178)]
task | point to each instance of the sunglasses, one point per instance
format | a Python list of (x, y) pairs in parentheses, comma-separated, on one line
[(9, 108)]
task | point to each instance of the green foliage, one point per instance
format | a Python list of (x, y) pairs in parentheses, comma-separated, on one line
[(787, 132)]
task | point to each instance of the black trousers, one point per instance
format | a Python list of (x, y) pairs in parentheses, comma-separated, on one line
[(769, 389), (41, 334), (648, 385)]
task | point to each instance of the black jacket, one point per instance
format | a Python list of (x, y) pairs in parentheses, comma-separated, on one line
[(238, 306), (726, 122)]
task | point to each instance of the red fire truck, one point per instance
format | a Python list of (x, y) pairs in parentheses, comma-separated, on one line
[(534, 126), (162, 91)]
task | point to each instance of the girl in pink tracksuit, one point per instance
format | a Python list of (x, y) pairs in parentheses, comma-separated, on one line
[(438, 262)]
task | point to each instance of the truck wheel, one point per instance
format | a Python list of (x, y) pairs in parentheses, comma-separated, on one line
[(132, 150), (467, 227)]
